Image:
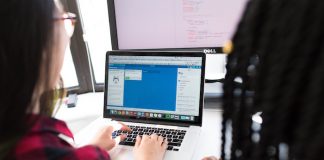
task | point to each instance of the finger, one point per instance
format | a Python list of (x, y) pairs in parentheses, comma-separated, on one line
[(117, 140), (122, 137), (210, 158), (165, 144), (138, 141), (109, 130), (145, 137), (160, 139), (116, 126), (124, 127), (154, 136)]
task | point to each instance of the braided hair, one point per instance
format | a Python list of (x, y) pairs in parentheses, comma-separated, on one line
[(278, 60)]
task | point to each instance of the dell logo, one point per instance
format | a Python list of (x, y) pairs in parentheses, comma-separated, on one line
[(210, 51)]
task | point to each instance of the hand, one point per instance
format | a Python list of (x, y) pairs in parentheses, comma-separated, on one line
[(104, 138), (150, 147), (210, 158)]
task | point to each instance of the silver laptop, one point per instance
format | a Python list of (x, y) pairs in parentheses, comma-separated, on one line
[(156, 92)]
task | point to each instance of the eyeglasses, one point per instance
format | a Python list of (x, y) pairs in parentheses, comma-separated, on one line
[(69, 22)]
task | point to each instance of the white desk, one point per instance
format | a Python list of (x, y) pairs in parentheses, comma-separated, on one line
[(89, 109)]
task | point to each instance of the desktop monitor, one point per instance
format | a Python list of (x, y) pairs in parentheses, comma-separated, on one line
[(173, 24), (200, 25)]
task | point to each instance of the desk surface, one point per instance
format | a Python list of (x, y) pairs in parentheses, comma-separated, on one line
[(89, 110)]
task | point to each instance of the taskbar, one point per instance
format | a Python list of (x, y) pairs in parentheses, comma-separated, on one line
[(155, 115)]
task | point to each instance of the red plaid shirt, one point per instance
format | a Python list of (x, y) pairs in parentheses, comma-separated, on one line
[(43, 142)]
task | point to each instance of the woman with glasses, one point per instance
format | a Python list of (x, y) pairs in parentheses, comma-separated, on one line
[(34, 35)]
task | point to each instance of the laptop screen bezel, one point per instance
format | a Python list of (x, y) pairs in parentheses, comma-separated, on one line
[(196, 122)]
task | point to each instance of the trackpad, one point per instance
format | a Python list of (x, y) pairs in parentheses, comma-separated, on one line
[(121, 153)]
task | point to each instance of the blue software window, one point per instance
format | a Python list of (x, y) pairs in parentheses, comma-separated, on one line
[(155, 89)]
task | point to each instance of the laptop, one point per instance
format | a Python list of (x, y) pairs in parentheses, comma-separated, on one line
[(156, 92)]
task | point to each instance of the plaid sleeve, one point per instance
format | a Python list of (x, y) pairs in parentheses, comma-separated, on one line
[(43, 141)]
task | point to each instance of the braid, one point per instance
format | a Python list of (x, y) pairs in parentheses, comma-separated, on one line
[(287, 40)]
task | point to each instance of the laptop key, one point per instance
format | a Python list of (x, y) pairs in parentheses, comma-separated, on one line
[(127, 143), (174, 144), (176, 141), (181, 134)]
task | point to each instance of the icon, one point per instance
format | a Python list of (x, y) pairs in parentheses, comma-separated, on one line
[(172, 116), (116, 79), (155, 115), (187, 117), (151, 114), (127, 113), (176, 116), (160, 115), (167, 116), (147, 114), (183, 117), (111, 111), (192, 118), (119, 112), (123, 112)]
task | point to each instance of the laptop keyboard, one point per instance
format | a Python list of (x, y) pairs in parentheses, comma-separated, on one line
[(174, 137)]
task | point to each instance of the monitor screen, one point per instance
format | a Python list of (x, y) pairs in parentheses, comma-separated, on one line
[(160, 24), (154, 87)]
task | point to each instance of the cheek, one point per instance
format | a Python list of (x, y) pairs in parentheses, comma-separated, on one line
[(61, 42)]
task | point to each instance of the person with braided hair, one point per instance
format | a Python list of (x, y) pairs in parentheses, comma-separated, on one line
[(277, 55)]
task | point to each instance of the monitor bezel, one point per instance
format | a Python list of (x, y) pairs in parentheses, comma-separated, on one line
[(197, 122)]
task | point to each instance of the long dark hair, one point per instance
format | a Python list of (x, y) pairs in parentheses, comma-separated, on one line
[(26, 36), (278, 55)]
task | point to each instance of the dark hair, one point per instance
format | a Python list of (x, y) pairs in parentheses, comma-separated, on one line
[(278, 54), (26, 34)]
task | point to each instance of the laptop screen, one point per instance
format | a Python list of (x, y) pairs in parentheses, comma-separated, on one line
[(166, 88)]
